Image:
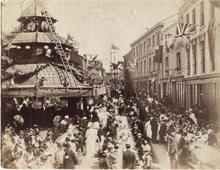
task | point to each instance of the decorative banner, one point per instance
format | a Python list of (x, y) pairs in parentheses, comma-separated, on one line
[(211, 39)]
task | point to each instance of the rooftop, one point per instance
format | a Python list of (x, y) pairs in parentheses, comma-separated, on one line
[(34, 9), (147, 32)]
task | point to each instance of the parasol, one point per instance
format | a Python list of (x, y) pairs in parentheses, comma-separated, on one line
[(18, 120)]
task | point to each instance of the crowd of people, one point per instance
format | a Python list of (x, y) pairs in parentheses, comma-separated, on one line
[(185, 133), (91, 133), (119, 132)]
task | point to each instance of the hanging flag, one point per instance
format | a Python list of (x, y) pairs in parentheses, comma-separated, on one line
[(185, 29), (158, 54), (211, 39), (215, 3), (132, 64), (113, 47)]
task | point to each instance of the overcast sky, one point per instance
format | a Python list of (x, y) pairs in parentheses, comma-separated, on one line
[(96, 24)]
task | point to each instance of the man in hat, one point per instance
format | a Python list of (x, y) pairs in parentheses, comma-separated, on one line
[(70, 159), (163, 129), (128, 158), (154, 125)]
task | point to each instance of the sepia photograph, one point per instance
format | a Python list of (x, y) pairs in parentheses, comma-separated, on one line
[(110, 84)]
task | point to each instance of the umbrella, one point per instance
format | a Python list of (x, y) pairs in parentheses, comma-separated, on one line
[(18, 120), (57, 119)]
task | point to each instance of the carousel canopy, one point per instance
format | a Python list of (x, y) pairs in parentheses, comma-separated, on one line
[(23, 78), (30, 37), (34, 10)]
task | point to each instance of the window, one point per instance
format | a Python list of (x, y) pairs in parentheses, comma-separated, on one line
[(202, 13), (167, 66), (136, 51), (144, 46), (140, 49), (141, 68), (144, 66), (178, 60), (194, 17), (187, 19), (149, 64), (194, 59), (153, 39), (158, 38), (154, 64), (188, 61), (149, 42), (202, 45)]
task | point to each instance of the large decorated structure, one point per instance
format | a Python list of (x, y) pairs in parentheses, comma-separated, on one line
[(41, 72)]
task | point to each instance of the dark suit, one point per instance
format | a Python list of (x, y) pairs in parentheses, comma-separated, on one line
[(162, 132), (69, 160), (128, 159), (154, 126)]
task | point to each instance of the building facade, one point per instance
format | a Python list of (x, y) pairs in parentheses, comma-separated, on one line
[(147, 70), (202, 74), (188, 72)]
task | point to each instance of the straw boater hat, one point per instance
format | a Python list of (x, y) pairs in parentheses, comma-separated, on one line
[(66, 117)]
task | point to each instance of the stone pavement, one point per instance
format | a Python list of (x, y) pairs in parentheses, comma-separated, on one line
[(89, 163), (161, 158)]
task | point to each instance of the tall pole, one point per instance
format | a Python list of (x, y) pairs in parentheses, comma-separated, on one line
[(110, 61)]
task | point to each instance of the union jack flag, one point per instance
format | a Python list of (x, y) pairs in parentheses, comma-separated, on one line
[(185, 29)]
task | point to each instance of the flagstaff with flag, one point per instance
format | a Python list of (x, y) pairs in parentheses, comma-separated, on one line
[(113, 51)]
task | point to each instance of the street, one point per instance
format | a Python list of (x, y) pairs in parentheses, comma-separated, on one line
[(110, 84)]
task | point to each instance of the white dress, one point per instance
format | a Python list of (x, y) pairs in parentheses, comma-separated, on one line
[(91, 138), (148, 129)]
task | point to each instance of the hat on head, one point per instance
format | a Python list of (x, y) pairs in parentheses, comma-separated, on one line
[(66, 145), (66, 117), (127, 145), (139, 134)]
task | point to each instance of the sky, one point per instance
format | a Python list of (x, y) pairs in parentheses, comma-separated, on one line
[(96, 24)]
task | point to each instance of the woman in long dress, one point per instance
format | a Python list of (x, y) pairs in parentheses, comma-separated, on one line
[(148, 129), (91, 139)]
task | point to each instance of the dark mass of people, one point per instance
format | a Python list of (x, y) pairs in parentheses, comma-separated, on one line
[(119, 132)]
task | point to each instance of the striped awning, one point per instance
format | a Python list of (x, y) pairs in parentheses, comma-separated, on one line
[(25, 77)]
